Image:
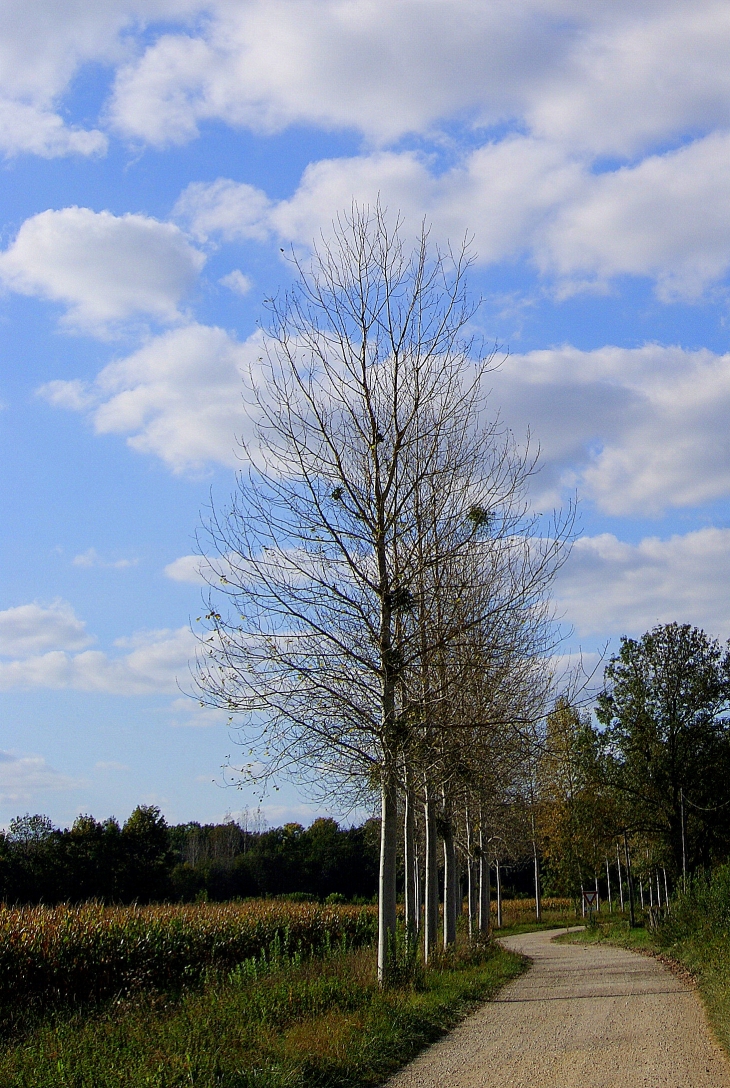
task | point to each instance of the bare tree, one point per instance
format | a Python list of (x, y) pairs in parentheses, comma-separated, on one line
[(373, 404)]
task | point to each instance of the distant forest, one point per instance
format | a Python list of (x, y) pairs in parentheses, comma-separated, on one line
[(147, 860)]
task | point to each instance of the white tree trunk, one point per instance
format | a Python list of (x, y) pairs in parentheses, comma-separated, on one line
[(418, 887), (409, 839), (620, 881), (431, 891), (386, 883), (471, 897), (485, 891)]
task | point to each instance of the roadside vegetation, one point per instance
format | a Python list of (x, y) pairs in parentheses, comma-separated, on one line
[(303, 1010)]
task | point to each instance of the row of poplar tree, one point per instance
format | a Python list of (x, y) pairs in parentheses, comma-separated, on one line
[(379, 614)]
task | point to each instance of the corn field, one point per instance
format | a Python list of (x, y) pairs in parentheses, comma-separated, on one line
[(515, 911), (59, 955)]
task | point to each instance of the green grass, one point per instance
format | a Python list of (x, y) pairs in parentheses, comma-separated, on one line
[(616, 931), (322, 1022)]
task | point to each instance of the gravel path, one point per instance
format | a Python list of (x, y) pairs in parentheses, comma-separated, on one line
[(583, 1015)]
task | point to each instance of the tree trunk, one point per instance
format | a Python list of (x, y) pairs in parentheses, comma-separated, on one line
[(538, 907), (470, 888), (499, 894), (450, 877), (386, 884), (409, 839), (484, 889), (431, 891), (417, 886), (620, 881)]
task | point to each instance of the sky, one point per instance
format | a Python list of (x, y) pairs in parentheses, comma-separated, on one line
[(158, 155)]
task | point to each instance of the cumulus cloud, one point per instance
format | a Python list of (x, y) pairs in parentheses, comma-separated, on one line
[(562, 79), (31, 130), (637, 430), (180, 397), (188, 568), (23, 777), (572, 73), (237, 282), (104, 268), (225, 208), (611, 587), (42, 47), (150, 662), (30, 629), (189, 714), (667, 218)]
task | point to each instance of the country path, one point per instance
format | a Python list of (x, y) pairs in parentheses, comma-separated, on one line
[(583, 1016)]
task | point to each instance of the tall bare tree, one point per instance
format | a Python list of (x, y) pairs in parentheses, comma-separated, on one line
[(373, 402)]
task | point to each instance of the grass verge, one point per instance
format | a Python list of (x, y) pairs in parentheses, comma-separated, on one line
[(320, 1023)]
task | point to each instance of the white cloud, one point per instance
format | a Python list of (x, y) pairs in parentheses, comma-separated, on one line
[(236, 281), (188, 568), (562, 78), (30, 130), (226, 208), (189, 714), (567, 71), (32, 629), (91, 558), (155, 662), (608, 587), (180, 397), (104, 268), (23, 777), (42, 46), (637, 430), (667, 218)]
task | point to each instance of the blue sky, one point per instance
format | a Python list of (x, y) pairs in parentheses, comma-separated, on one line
[(157, 157)]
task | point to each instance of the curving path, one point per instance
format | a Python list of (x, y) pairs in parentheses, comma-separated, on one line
[(583, 1015)]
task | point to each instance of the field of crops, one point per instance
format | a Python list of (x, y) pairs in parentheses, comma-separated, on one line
[(518, 911), (57, 955)]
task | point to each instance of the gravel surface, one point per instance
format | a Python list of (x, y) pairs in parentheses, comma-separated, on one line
[(583, 1015)]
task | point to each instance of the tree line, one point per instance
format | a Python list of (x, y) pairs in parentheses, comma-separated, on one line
[(634, 798), (146, 860), (642, 784)]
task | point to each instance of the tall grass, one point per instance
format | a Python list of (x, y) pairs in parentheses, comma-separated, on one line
[(61, 955), (320, 1022), (696, 932)]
